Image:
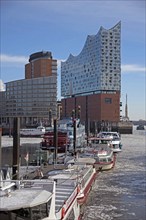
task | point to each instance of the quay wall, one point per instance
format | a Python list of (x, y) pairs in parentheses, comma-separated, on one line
[(123, 127)]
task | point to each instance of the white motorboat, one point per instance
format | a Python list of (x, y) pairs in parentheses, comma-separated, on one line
[(116, 145), (80, 175), (32, 132), (38, 199), (93, 141), (103, 156), (115, 140)]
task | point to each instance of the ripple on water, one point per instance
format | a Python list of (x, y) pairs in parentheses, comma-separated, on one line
[(120, 194)]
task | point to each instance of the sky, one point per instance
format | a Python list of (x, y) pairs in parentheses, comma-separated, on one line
[(62, 27)]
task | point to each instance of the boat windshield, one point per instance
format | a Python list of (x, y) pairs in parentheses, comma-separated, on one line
[(70, 133), (103, 160)]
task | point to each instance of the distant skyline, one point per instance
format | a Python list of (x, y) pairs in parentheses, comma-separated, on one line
[(62, 28)]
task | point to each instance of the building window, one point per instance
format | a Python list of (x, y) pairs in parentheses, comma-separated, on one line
[(108, 100)]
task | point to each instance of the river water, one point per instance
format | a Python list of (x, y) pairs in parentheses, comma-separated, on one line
[(120, 193)]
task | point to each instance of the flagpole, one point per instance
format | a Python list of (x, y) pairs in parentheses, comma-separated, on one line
[(27, 159), (27, 165)]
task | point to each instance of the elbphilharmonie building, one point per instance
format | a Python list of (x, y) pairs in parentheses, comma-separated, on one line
[(95, 74)]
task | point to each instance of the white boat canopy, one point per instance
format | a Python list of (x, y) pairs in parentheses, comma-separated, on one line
[(24, 198)]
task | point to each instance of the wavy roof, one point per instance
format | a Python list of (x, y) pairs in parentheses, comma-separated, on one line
[(90, 37)]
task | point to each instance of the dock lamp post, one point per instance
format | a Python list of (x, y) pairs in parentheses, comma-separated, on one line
[(16, 148), (55, 141), (73, 114), (74, 131), (50, 117), (0, 155), (60, 112), (74, 135), (79, 111)]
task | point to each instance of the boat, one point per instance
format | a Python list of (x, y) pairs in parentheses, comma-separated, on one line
[(38, 199), (65, 136), (104, 158), (59, 160), (47, 142), (80, 175), (79, 136), (116, 145), (32, 132), (140, 127), (114, 139), (99, 140)]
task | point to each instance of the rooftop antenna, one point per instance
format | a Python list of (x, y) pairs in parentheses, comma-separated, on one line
[(126, 108)]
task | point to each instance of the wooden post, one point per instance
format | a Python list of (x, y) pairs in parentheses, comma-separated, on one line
[(55, 140), (16, 146), (74, 135), (87, 121), (0, 149)]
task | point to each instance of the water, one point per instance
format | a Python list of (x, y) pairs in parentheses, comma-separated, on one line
[(120, 194)]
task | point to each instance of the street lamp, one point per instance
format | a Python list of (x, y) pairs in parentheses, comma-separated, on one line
[(55, 141), (50, 117), (79, 111), (74, 130), (60, 112), (73, 114)]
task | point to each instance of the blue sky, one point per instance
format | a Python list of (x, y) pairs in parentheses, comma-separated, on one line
[(62, 27)]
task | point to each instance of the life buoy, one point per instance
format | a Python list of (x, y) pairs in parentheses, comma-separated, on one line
[(62, 213)]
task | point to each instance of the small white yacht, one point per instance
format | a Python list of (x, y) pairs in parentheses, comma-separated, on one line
[(115, 140), (101, 156)]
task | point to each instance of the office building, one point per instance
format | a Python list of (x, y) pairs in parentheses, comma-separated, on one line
[(33, 99), (41, 64), (2, 102)]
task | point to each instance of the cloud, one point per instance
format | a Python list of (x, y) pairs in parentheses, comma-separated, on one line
[(20, 59), (74, 9), (13, 59), (2, 86), (125, 68), (128, 68)]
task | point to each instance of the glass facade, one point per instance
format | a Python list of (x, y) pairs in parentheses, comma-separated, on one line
[(2, 106), (32, 98), (97, 67)]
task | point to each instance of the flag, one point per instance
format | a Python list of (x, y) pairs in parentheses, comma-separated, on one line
[(27, 157)]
